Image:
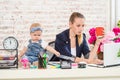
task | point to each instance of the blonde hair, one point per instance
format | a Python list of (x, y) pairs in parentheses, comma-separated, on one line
[(34, 25), (75, 15)]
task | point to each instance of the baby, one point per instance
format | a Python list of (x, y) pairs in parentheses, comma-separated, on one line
[(35, 45)]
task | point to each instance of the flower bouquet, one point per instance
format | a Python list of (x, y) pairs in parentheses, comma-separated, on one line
[(110, 37)]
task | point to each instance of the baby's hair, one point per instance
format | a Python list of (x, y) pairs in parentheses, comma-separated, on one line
[(34, 25)]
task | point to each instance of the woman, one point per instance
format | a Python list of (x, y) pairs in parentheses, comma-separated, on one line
[(72, 42)]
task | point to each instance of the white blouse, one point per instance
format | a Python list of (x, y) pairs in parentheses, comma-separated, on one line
[(73, 51)]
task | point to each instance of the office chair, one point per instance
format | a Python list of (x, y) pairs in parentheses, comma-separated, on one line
[(50, 55)]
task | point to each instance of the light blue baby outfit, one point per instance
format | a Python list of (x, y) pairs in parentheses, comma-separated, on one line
[(34, 49)]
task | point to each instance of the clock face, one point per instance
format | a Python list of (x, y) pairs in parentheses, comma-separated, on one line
[(10, 43)]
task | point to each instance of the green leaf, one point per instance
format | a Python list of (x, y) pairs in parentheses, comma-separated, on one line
[(44, 55), (118, 24), (118, 54)]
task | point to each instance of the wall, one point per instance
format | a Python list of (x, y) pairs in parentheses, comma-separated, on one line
[(117, 10), (16, 16)]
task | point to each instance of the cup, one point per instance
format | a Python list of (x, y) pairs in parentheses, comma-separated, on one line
[(25, 63), (42, 62), (99, 31), (82, 65)]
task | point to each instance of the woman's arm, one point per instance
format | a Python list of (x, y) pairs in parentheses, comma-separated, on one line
[(62, 45), (93, 53)]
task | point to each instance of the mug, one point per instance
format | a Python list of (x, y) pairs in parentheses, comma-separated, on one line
[(99, 31), (42, 62)]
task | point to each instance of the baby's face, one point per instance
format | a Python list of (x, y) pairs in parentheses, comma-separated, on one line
[(35, 36)]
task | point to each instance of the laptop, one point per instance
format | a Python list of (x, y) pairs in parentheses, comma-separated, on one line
[(111, 55)]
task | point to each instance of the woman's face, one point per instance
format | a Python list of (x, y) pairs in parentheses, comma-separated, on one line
[(35, 36), (78, 25)]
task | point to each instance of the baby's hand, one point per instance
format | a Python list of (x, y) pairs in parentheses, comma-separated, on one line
[(57, 54)]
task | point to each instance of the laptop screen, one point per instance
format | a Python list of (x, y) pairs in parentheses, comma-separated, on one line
[(110, 54)]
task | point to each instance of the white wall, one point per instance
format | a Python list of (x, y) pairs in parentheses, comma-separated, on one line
[(113, 13), (16, 16), (117, 10)]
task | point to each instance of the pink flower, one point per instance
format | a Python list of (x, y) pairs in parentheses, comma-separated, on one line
[(99, 49), (108, 38), (92, 32), (25, 62), (117, 40), (116, 30), (92, 39)]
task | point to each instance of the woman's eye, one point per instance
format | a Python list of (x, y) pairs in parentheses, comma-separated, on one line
[(83, 25)]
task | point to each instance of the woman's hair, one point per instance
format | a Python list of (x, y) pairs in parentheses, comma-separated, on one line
[(75, 15), (35, 25)]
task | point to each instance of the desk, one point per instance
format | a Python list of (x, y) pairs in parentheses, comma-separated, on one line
[(89, 73)]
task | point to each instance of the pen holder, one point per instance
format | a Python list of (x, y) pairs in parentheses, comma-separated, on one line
[(42, 62), (82, 65), (25, 63)]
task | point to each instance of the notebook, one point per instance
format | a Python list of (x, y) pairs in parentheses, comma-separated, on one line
[(110, 55), (8, 59)]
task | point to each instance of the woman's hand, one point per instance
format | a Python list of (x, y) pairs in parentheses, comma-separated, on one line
[(77, 59), (95, 61), (98, 41), (98, 61)]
